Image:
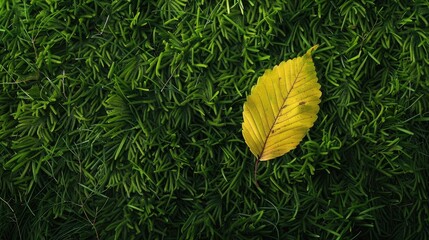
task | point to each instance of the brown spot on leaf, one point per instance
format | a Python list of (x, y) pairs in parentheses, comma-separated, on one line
[(301, 103)]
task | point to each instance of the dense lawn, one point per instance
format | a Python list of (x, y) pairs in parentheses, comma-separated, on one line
[(122, 120)]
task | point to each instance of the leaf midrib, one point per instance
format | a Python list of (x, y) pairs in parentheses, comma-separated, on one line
[(280, 110)]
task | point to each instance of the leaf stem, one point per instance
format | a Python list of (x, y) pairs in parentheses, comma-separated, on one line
[(256, 171)]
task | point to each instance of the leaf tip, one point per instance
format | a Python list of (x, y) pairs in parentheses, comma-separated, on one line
[(312, 49)]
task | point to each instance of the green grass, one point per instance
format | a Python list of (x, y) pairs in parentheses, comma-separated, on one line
[(122, 120)]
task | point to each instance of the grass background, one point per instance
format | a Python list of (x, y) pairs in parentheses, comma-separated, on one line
[(122, 120)]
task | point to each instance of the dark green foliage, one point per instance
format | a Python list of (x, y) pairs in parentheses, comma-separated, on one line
[(122, 120)]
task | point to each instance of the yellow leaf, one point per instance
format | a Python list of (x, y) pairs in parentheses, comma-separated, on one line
[(281, 107)]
